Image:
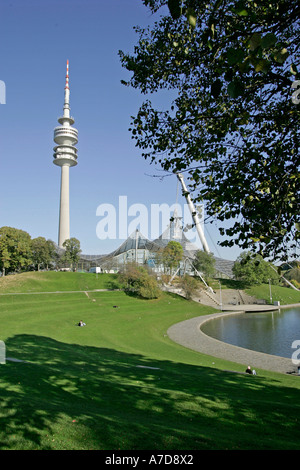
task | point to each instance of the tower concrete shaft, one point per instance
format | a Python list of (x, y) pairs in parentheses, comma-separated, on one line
[(65, 156), (64, 208)]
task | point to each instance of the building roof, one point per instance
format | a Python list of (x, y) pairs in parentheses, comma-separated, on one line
[(173, 232)]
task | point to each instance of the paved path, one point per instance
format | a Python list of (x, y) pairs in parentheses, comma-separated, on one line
[(256, 307), (60, 292), (188, 333)]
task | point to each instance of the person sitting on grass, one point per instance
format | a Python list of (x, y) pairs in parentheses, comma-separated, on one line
[(81, 323)]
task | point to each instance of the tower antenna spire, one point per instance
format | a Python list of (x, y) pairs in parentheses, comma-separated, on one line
[(67, 94), (67, 75)]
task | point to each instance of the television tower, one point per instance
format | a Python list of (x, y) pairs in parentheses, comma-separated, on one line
[(65, 155)]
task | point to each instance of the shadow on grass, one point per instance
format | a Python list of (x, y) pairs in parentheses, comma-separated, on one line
[(78, 397), (111, 281), (234, 284)]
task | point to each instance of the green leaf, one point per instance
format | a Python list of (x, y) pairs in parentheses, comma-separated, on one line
[(254, 41), (242, 12), (175, 9), (240, 9), (216, 88), (268, 40), (234, 55), (261, 65), (191, 16), (281, 56), (235, 89), (293, 69), (210, 44)]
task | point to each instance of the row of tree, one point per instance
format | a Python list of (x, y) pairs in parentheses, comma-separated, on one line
[(19, 252), (249, 267)]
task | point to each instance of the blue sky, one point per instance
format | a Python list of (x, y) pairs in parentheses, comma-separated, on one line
[(36, 39)]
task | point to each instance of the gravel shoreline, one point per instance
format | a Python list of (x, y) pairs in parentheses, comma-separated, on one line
[(189, 334)]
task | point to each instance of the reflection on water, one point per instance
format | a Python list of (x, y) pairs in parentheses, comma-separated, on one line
[(268, 332)]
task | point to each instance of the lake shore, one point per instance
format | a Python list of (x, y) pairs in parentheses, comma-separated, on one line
[(189, 334)]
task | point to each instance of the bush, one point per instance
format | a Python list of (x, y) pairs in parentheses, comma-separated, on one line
[(148, 288), (295, 283), (190, 285), (137, 279)]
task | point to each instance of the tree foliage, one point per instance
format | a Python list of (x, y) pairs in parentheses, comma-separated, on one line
[(137, 279), (15, 250), (42, 252), (232, 126), (189, 285), (292, 273), (18, 252), (72, 251), (253, 269), (205, 263), (171, 255)]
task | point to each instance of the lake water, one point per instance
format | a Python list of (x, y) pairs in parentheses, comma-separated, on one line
[(267, 332)]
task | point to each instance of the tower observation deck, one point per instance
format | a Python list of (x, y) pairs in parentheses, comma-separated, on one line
[(65, 156)]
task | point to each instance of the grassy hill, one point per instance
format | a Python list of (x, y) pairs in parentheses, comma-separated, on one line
[(120, 382), (282, 294), (51, 281), (286, 295)]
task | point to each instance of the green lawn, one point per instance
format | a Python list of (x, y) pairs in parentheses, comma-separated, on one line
[(120, 382), (50, 281), (282, 294)]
